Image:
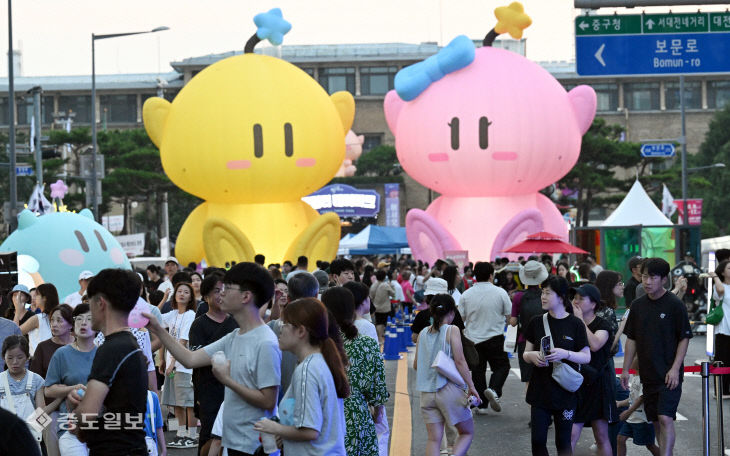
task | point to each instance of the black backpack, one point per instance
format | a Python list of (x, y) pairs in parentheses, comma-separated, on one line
[(530, 307)]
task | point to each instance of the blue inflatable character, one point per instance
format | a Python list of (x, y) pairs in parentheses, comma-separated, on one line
[(55, 248)]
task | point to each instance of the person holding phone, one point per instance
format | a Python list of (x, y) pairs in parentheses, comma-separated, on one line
[(546, 397)]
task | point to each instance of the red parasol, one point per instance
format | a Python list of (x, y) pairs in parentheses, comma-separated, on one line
[(543, 242)]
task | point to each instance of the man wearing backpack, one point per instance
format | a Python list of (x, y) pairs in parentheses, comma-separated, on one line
[(525, 306)]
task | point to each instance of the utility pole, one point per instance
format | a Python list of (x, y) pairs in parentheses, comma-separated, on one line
[(11, 123)]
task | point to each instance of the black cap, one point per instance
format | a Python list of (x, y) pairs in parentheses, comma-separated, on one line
[(589, 290)]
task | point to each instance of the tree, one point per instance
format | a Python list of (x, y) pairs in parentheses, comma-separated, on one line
[(378, 161), (594, 176)]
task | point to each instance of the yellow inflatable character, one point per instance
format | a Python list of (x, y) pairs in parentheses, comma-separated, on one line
[(252, 135)]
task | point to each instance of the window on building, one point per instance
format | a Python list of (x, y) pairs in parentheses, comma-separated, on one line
[(337, 79), (377, 80), (641, 96), (309, 71), (607, 97), (718, 94), (79, 104), (118, 108), (25, 110), (372, 140), (692, 95)]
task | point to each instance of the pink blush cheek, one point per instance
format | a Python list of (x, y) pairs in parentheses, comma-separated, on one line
[(116, 255), (71, 257)]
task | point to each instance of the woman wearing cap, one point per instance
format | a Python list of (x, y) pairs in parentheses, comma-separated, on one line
[(596, 402), (526, 305), (21, 299), (546, 397), (38, 327)]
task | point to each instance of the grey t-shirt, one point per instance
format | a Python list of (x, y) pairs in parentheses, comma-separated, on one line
[(69, 367), (255, 363), (311, 402), (7, 328), (288, 360)]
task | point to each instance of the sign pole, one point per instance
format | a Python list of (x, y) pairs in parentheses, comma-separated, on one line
[(685, 222)]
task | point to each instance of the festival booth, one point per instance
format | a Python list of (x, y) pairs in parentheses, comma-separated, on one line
[(375, 240), (638, 227)]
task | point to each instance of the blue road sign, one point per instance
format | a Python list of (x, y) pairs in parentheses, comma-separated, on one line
[(23, 170), (678, 53), (657, 150)]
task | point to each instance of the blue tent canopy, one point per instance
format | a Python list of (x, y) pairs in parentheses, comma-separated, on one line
[(375, 240)]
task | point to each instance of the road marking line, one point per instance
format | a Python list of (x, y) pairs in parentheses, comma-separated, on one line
[(681, 417), (400, 434), (516, 372)]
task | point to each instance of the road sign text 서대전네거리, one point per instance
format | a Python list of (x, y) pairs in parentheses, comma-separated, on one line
[(657, 150), (653, 44)]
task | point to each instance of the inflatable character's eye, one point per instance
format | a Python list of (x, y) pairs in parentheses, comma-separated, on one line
[(82, 241), (258, 141), (484, 124), (454, 124), (101, 241), (288, 140)]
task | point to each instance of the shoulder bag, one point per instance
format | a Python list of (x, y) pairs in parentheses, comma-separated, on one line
[(444, 363), (566, 376), (715, 315)]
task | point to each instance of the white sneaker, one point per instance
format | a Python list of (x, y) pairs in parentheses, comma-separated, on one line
[(480, 410), (594, 447), (493, 399)]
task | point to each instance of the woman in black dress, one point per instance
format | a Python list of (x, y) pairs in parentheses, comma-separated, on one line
[(546, 397), (596, 402)]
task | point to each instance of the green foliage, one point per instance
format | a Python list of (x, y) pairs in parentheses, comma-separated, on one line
[(594, 175), (378, 161)]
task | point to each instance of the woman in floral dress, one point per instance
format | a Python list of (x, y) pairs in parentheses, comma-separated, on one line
[(365, 372)]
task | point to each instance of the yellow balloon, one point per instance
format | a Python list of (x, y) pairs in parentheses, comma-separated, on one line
[(252, 135)]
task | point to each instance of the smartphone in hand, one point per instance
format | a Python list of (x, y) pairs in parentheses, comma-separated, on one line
[(545, 346)]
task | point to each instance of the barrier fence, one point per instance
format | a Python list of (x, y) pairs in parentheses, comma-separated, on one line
[(705, 370)]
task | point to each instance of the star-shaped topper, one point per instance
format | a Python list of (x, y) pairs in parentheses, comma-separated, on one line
[(271, 26), (512, 19), (58, 189)]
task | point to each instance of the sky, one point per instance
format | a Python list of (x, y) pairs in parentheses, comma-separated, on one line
[(55, 36)]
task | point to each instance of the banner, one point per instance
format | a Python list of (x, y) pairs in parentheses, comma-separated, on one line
[(694, 211), (392, 204), (460, 257), (132, 244), (345, 201), (113, 223)]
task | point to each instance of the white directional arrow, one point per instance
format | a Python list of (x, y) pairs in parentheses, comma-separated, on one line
[(583, 25), (598, 55), (650, 24)]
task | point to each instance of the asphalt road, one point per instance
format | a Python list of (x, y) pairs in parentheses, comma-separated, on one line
[(507, 433)]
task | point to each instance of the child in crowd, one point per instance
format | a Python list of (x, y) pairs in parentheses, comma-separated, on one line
[(635, 424), (154, 436)]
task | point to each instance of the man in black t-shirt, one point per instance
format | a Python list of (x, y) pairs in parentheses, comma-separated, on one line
[(205, 330), (110, 417), (658, 332)]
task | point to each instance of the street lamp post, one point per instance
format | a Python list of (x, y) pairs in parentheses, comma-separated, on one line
[(94, 177), (700, 168)]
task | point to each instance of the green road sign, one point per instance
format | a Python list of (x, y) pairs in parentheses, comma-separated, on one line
[(647, 24)]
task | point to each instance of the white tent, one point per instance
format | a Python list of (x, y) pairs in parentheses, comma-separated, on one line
[(637, 209)]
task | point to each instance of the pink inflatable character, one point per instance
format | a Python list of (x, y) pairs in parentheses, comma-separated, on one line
[(487, 129)]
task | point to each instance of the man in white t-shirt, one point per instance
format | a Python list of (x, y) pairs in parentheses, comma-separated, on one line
[(484, 307), (171, 268), (74, 299)]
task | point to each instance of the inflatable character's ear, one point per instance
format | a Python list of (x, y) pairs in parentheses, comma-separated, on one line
[(345, 106), (26, 218), (87, 213), (583, 100), (392, 106), (154, 116)]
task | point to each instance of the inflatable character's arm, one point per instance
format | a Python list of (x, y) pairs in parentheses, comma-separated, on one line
[(223, 242), (427, 237), (319, 240), (189, 244)]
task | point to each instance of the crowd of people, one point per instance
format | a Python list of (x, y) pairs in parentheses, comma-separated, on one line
[(250, 359)]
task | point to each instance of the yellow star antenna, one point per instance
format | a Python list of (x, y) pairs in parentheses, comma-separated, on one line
[(510, 19)]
